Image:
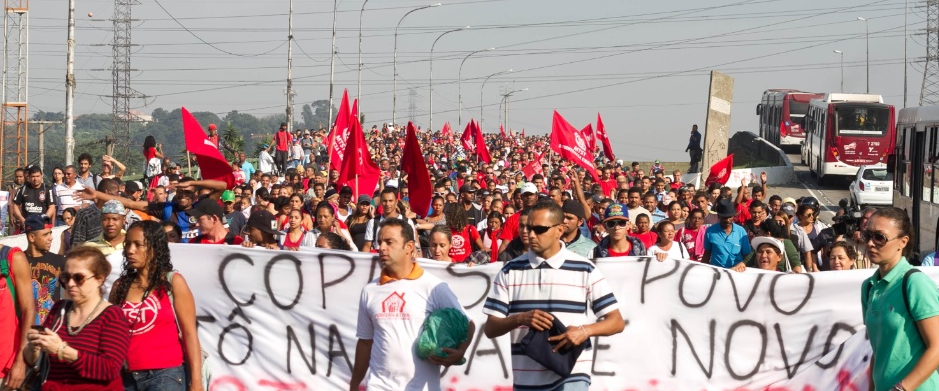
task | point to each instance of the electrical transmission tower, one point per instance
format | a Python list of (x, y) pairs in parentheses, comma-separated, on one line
[(929, 95), (13, 134), (120, 74)]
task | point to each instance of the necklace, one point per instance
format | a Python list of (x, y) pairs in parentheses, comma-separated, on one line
[(73, 331)]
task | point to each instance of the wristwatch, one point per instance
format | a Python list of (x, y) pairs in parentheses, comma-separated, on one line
[(898, 387)]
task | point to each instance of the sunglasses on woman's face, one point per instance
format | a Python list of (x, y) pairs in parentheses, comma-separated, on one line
[(612, 224), (65, 277), (877, 238)]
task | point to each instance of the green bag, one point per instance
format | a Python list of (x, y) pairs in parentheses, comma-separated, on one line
[(444, 328)]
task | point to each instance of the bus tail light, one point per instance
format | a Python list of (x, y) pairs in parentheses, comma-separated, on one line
[(784, 129), (834, 152)]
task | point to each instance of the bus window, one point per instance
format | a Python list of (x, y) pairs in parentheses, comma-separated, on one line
[(904, 161), (866, 121), (929, 154)]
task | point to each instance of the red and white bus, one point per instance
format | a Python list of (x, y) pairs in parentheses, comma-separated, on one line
[(846, 131), (781, 112), (915, 168)]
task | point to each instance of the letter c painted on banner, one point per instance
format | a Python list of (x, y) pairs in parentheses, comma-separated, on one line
[(221, 278)]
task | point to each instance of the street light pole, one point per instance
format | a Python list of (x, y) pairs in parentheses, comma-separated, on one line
[(70, 86), (842, 68), (394, 93), (432, 72), (867, 34), (481, 94), (361, 13), (506, 99), (459, 79), (332, 67)]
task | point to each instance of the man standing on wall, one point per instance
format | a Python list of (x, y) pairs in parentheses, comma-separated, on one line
[(694, 149)]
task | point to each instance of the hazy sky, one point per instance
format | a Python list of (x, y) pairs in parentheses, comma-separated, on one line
[(642, 64)]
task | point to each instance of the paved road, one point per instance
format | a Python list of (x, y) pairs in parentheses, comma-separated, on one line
[(828, 195)]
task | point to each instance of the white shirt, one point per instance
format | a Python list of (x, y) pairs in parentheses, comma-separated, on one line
[(677, 251), (65, 199), (265, 162), (391, 316)]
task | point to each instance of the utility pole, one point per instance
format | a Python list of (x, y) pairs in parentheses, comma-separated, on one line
[(42, 148), (289, 68), (69, 91), (332, 66)]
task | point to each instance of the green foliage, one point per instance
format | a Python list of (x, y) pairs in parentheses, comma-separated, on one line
[(264, 140), (307, 113), (232, 136)]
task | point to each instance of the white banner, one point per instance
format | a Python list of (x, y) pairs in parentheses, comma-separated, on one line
[(277, 320)]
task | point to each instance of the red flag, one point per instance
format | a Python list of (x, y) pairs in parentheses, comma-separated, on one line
[(339, 136), (481, 150), (568, 142), (412, 163), (591, 140), (447, 130), (601, 134), (358, 171), (720, 171), (533, 167), (468, 138), (212, 164), (523, 132), (502, 131)]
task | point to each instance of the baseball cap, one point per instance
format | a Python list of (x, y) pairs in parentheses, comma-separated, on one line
[(131, 187), (616, 212), (789, 209), (364, 199), (37, 223), (113, 207), (212, 127), (789, 200), (207, 207), (392, 183), (263, 221), (529, 187), (656, 162), (228, 196), (172, 165), (466, 188), (330, 193)]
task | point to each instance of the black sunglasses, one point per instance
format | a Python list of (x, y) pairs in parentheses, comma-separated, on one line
[(612, 224), (877, 238), (537, 229), (65, 277)]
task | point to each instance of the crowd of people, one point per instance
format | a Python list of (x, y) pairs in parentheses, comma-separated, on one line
[(526, 209)]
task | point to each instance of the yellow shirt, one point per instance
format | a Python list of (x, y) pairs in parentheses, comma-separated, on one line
[(105, 247)]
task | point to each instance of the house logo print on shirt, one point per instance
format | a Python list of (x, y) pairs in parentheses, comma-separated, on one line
[(393, 307), (142, 316)]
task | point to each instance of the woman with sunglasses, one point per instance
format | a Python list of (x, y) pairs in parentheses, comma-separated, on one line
[(85, 336), (903, 331), (618, 242), (162, 315), (806, 229)]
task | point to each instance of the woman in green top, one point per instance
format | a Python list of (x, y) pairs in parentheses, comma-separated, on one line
[(904, 338)]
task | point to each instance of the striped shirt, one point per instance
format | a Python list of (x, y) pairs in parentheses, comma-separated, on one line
[(102, 349), (566, 285)]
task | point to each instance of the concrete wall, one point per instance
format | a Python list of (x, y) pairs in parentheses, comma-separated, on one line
[(780, 174), (20, 240)]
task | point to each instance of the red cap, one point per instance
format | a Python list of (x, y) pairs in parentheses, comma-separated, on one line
[(212, 127)]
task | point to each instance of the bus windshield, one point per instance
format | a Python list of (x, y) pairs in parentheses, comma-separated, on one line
[(862, 120)]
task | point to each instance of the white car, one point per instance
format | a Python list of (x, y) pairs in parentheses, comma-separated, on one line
[(872, 186)]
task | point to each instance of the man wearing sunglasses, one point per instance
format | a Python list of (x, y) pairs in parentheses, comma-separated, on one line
[(541, 270), (618, 242)]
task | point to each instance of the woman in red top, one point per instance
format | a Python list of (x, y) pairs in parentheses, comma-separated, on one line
[(85, 337), (464, 235), (155, 299), (293, 239)]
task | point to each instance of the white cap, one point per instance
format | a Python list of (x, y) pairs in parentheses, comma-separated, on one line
[(529, 187), (757, 241), (392, 183)]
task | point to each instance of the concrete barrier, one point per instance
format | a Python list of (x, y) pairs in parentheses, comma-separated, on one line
[(781, 174), (20, 240)]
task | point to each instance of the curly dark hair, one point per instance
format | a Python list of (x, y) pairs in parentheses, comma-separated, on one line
[(159, 265), (456, 216)]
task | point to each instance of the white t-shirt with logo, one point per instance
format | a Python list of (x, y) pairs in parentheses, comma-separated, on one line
[(391, 316)]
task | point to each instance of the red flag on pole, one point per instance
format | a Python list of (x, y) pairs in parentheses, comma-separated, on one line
[(568, 142), (591, 139), (720, 171), (533, 167), (468, 138), (212, 164), (502, 131), (447, 130), (481, 148), (601, 134), (339, 136), (523, 132), (358, 171), (412, 163)]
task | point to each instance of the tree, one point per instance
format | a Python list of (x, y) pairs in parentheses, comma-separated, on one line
[(232, 136), (307, 113), (321, 110)]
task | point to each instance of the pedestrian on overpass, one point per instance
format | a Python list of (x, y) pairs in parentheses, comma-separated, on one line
[(694, 149)]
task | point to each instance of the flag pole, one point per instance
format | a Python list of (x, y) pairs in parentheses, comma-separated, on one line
[(189, 163)]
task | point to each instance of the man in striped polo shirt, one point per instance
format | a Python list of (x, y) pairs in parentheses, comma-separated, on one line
[(550, 281)]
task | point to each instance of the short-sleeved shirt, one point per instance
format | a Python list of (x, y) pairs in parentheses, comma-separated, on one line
[(34, 201), (371, 232), (45, 272), (463, 243), (248, 168), (894, 337), (170, 211), (391, 315), (726, 250), (565, 285)]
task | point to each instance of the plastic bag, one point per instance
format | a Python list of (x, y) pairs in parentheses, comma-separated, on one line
[(444, 328)]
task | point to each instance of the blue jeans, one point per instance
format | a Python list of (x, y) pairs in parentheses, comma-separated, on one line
[(581, 385), (169, 379)]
